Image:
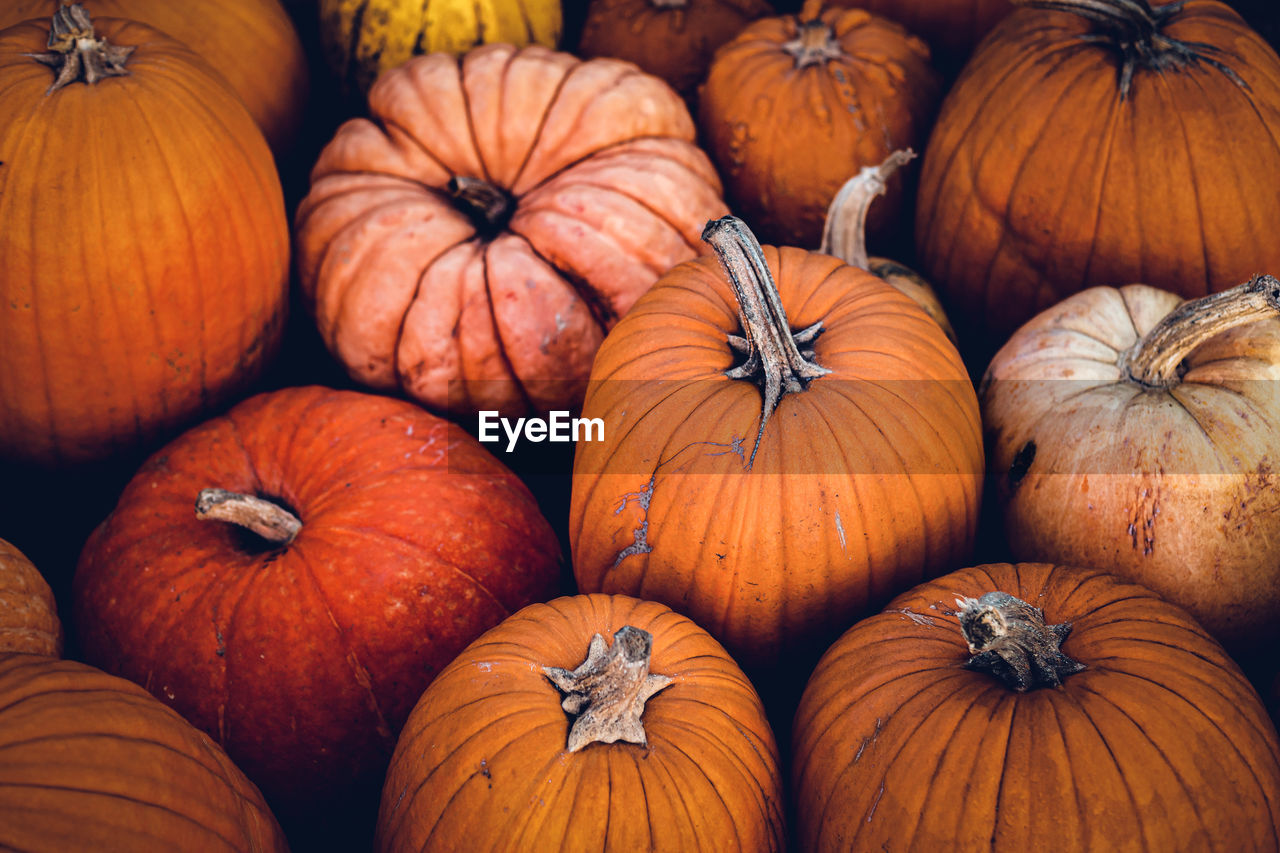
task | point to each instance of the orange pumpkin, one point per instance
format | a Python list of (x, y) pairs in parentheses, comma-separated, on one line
[(776, 487), (1033, 707), (796, 104), (344, 547), (664, 745), (473, 255), (251, 43), (1113, 143), (145, 245), (1132, 431), (89, 761), (672, 39), (28, 615)]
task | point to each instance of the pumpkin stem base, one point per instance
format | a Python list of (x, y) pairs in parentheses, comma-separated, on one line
[(815, 43), (608, 690), (488, 206), (76, 54), (1157, 361), (1010, 640), (774, 358)]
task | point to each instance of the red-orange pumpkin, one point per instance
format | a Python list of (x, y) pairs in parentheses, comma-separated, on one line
[(1088, 715), (474, 254), (251, 43), (145, 246), (29, 621), (89, 761), (302, 654), (1136, 432), (673, 39), (1074, 153), (796, 104), (589, 723), (774, 499)]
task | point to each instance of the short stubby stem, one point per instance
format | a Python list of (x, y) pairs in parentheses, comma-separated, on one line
[(815, 41), (1156, 361), (272, 522), (76, 53), (774, 360), (1010, 640), (489, 207), (608, 691)]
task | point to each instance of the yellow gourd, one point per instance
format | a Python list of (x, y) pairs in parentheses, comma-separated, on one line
[(363, 38)]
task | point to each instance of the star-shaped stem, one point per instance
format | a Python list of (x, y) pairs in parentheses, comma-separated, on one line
[(75, 52), (774, 360), (608, 690), (1010, 640)]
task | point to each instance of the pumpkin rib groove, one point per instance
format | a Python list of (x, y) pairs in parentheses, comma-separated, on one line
[(927, 207), (542, 120), (605, 150), (1072, 774), (521, 825), (386, 123), (673, 789), (698, 768), (543, 776), (1088, 718), (358, 670), (1050, 110), (397, 344), (646, 204), (597, 305), (1156, 748), (500, 333), (117, 795), (1004, 762), (1252, 723), (1189, 148), (466, 111), (1106, 150)]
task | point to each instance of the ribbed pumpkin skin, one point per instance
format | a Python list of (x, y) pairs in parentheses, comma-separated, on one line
[(674, 42), (304, 662), (864, 484), (251, 43), (145, 247), (1039, 181), (28, 614), (363, 38), (609, 193), (1159, 744), (89, 761), (482, 763), (765, 121), (1175, 489)]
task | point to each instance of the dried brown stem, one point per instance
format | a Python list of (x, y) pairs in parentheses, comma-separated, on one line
[(1010, 640), (815, 42), (608, 690), (271, 521), (844, 234), (774, 360), (75, 52), (1156, 360), (488, 206)]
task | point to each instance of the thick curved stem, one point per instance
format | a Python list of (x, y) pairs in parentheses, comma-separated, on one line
[(1156, 360), (1010, 640), (844, 234), (77, 54), (608, 690), (773, 357), (271, 521)]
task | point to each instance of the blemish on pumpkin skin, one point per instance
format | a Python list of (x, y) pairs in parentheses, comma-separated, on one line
[(840, 533)]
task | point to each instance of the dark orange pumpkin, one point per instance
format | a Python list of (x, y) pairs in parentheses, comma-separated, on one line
[(28, 615), (1089, 714), (589, 723), (1136, 432), (952, 28), (251, 43), (1076, 152), (89, 761), (673, 39), (474, 254), (796, 104), (775, 497), (144, 242), (302, 646)]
